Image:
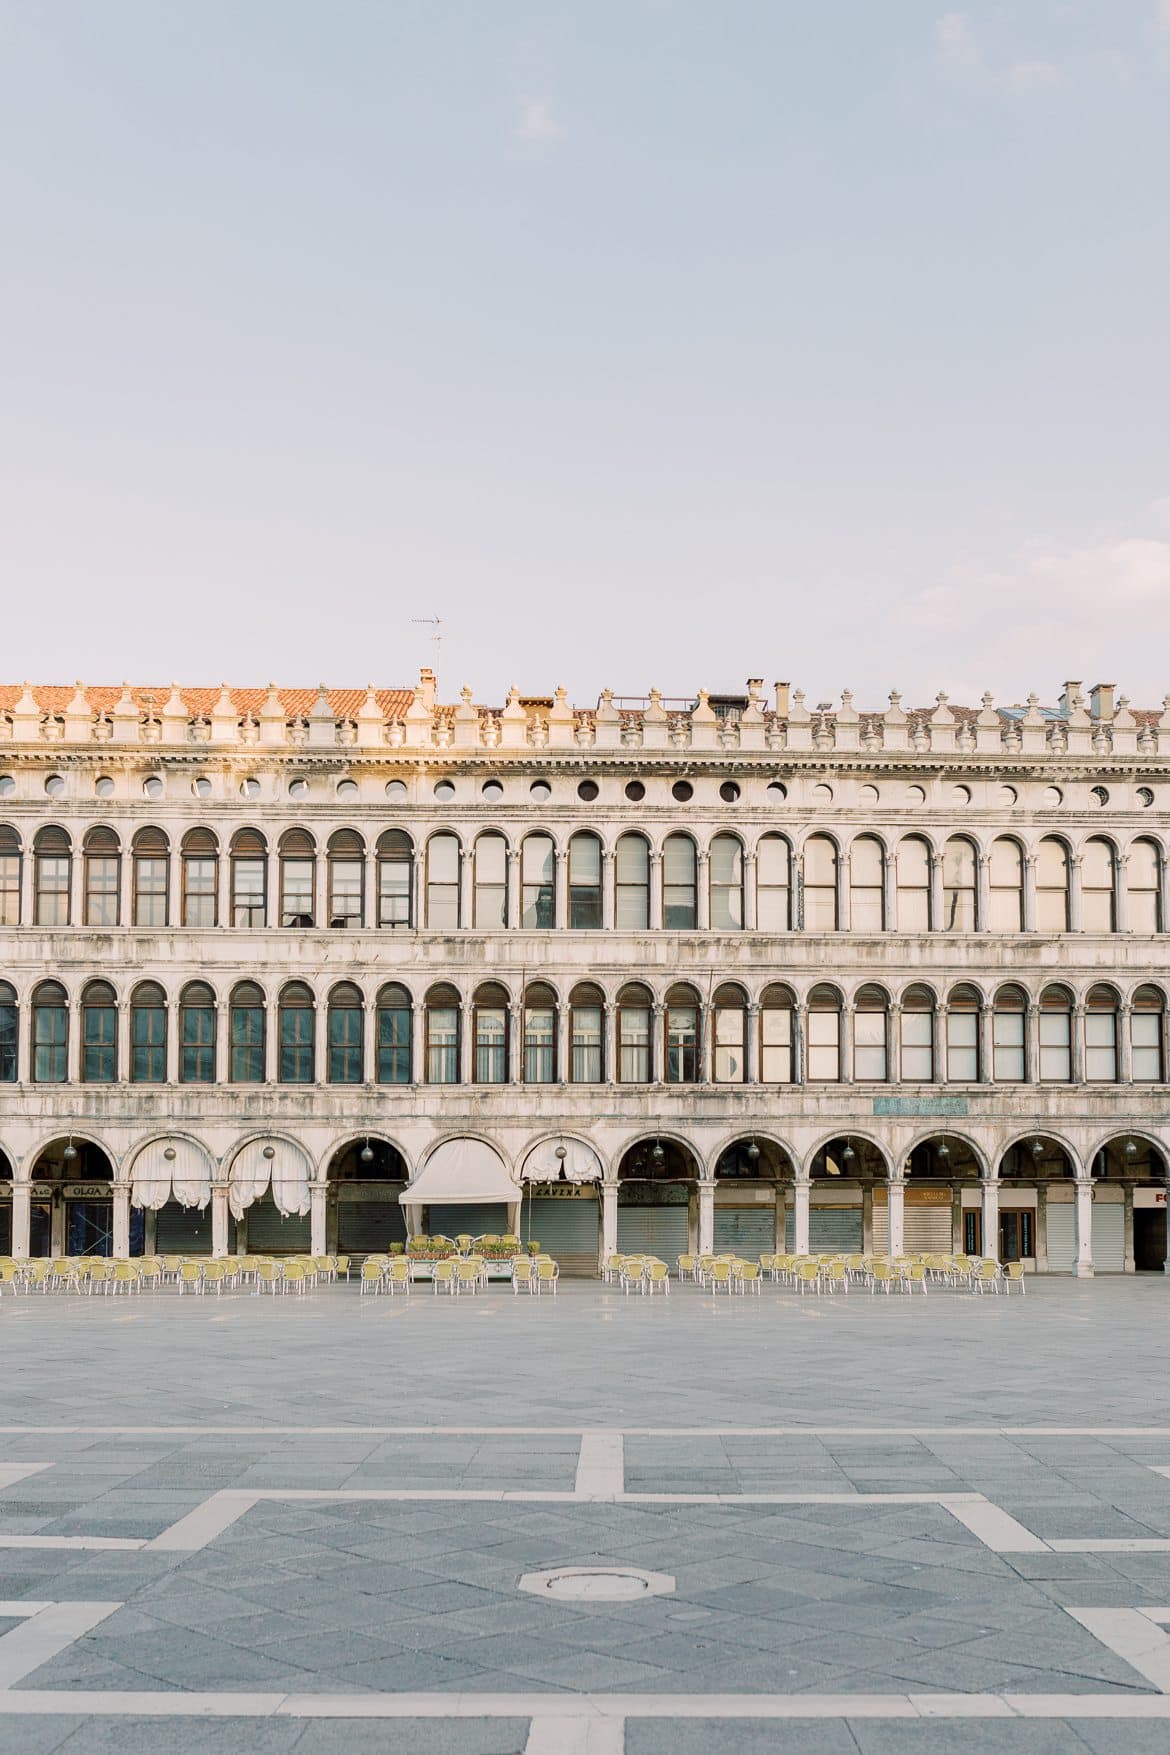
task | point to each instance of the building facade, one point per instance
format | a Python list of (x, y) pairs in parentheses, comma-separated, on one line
[(718, 971)]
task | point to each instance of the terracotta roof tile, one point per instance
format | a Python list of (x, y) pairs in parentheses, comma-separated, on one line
[(297, 703)]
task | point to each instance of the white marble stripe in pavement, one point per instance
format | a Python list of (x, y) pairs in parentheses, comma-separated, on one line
[(11, 1473), (1109, 1545), (996, 1529), (356, 1431), (43, 1634), (576, 1736), (601, 1466), (1133, 1636), (67, 1542)]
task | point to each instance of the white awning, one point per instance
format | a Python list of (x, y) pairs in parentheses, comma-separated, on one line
[(287, 1171), (579, 1163), (175, 1168), (462, 1173)]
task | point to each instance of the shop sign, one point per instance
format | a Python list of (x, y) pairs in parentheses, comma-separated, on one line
[(915, 1197), (87, 1191), (653, 1194), (562, 1191), (920, 1106)]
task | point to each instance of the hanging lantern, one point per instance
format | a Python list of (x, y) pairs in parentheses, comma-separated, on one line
[(170, 1154), (367, 1153), (1131, 1148), (269, 1152), (658, 1152), (70, 1151), (1037, 1148), (752, 1152), (942, 1149), (848, 1154)]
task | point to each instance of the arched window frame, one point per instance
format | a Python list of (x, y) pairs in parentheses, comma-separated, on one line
[(345, 1041), (777, 1036), (148, 1034), (298, 882), (912, 873), (247, 1034), (730, 1026), (1098, 885), (725, 883), (490, 881), (823, 1062), (871, 1035), (99, 1034), (395, 857), (151, 870), (1052, 885), (10, 866), (490, 1021), (773, 884), (960, 885), (682, 1036), (50, 1034), (52, 876), (1148, 1036), (586, 1035), (442, 1025), (249, 878), (296, 1032), (821, 863), (540, 1035), (444, 857), (680, 884), (634, 1022), (198, 1028), (538, 882), (963, 1035), (867, 885), (1009, 1036), (918, 1056), (1055, 1028), (345, 860), (101, 874), (9, 1034), (631, 868), (394, 1014), (1143, 886), (199, 895), (1006, 885), (586, 866), (1102, 1035)]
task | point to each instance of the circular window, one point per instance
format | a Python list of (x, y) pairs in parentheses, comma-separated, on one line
[(867, 795), (396, 791), (103, 786), (729, 791), (777, 791), (1100, 794), (153, 787), (55, 785), (540, 791), (635, 791), (347, 789), (298, 789), (915, 795), (1006, 795), (7, 785), (250, 788), (492, 791), (1145, 797), (587, 791), (682, 790), (960, 795), (822, 794), (201, 787), (1051, 797), (445, 791)]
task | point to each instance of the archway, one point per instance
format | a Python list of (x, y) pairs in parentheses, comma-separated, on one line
[(751, 1174), (943, 1208), (6, 1182), (560, 1176), (170, 1188), (71, 1210), (657, 1198), (268, 1195), (365, 1177), (1129, 1177), (1037, 1206), (847, 1207)]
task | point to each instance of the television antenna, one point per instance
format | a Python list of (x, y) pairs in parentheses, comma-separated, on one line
[(436, 622)]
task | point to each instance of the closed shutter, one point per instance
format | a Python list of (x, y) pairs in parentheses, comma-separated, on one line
[(832, 1228), (662, 1231), (1108, 1237), (927, 1228), (183, 1230), (6, 1229), (270, 1233), (881, 1229), (746, 1231), (1062, 1236), (567, 1230), (469, 1221), (368, 1226)]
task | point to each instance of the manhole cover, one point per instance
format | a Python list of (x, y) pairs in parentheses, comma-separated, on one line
[(597, 1584)]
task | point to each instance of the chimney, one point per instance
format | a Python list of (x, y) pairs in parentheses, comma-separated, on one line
[(1101, 700), (782, 689), (1071, 697)]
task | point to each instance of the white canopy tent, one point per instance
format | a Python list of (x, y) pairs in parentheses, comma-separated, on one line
[(265, 1163), (561, 1160), (461, 1173), (178, 1169)]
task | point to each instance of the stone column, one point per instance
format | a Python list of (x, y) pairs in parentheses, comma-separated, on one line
[(801, 1189), (1124, 1026), (607, 891), (21, 1220), (320, 1042), (512, 898), (223, 1027), (466, 912), (1127, 1222), (121, 1042), (561, 888), (466, 1052), (28, 906), (990, 1193), (609, 1220), (609, 1044), (706, 1044), (845, 1054), (418, 1042), (706, 1217), (1041, 1238), (1083, 1265), (125, 891), (561, 1062), (982, 893), (369, 1043), (1121, 893), (956, 1218), (751, 1070), (73, 1028), (172, 1043), (657, 1044), (271, 1039), (843, 876), (516, 1044), (703, 894), (219, 1219), (986, 1041), (121, 1236), (1077, 1044), (936, 892), (1075, 910), (867, 1219), (894, 1044), (1032, 1044), (1029, 877), (749, 892), (370, 890), (655, 890), (897, 1199), (889, 896), (318, 1192)]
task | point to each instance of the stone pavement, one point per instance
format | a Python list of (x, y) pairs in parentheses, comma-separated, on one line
[(891, 1524)]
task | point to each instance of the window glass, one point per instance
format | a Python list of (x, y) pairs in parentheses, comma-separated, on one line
[(8, 1040), (679, 913), (537, 887), (9, 889), (150, 890), (248, 891), (1006, 887), (1097, 912), (633, 1043), (1055, 1040), (296, 892), (963, 1040), (632, 879), (199, 884), (50, 1035), (52, 889), (1146, 1037), (345, 892), (491, 1044), (776, 1045), (491, 881), (1051, 888), (917, 1042), (1142, 887), (726, 873), (99, 1036), (820, 885), (585, 883), (197, 1038), (772, 885), (682, 1044), (395, 865), (442, 1045), (1007, 1024), (296, 1022), (866, 899), (148, 1040), (393, 1044), (730, 1038), (869, 1038), (958, 878), (585, 1023), (539, 1044), (345, 1040), (246, 1028), (101, 889), (1101, 1037), (913, 871), (442, 884)]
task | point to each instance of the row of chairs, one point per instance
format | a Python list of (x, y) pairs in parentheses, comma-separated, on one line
[(457, 1274), (112, 1274)]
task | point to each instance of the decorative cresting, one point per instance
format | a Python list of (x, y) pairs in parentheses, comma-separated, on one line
[(171, 1169), (562, 1160), (273, 1163)]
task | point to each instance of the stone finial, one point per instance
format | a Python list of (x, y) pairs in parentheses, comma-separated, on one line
[(607, 722), (466, 729), (78, 717), (371, 726), (322, 721), (560, 722), (225, 717), (513, 721), (125, 717), (273, 719), (174, 716)]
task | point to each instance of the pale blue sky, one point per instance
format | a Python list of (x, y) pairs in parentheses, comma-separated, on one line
[(646, 341)]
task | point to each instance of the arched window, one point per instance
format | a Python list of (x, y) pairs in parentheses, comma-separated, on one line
[(9, 1022), (1051, 885), (958, 882), (918, 1036), (443, 885), (726, 884), (1056, 1034), (867, 908), (152, 864), (773, 884), (101, 866), (824, 1035), (586, 1024), (442, 1031), (963, 1035), (9, 876), (540, 1035), (1101, 1034), (679, 884), (395, 871), (247, 1034), (490, 1023), (197, 1028), (298, 865), (51, 868), (633, 1043), (1008, 1025), (777, 1036), (1142, 875), (346, 858), (871, 1036), (1006, 886), (682, 1036), (538, 870), (585, 883), (913, 884), (820, 884), (394, 1040), (490, 902), (148, 1034), (346, 1028), (730, 1060), (249, 878), (99, 1034), (1098, 913), (632, 884), (1147, 1035), (296, 1027), (200, 900), (50, 1034)]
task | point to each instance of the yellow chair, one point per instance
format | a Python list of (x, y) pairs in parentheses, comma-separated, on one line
[(986, 1274), (718, 1277), (835, 1276), (657, 1278), (467, 1275), (547, 1275), (443, 1275), (268, 1276), (397, 1276), (371, 1277), (214, 1273), (523, 1275), (123, 1277), (510, 1240), (748, 1277), (612, 1269), (1013, 1275), (463, 1242), (296, 1277), (915, 1275), (883, 1275), (686, 1267), (488, 1237), (807, 1276), (190, 1277), (341, 1267)]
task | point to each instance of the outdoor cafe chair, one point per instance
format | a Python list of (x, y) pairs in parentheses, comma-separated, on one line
[(547, 1275), (467, 1275), (443, 1274), (719, 1277), (397, 1276), (657, 1277), (747, 1276)]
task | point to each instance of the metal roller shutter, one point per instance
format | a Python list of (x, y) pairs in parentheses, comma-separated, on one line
[(832, 1228), (1062, 1236), (1108, 1237), (746, 1231), (472, 1221), (270, 1233), (366, 1226), (568, 1230), (183, 1230), (5, 1229), (662, 1231), (927, 1228)]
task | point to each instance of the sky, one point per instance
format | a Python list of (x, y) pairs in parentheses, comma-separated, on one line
[(645, 343)]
